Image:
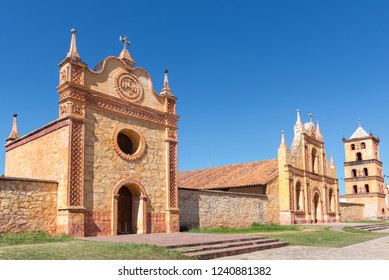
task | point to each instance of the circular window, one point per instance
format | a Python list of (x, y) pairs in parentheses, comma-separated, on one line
[(128, 143)]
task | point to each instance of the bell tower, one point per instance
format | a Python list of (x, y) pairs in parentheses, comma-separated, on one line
[(363, 173)]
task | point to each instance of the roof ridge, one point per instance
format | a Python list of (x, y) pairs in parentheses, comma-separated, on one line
[(228, 165)]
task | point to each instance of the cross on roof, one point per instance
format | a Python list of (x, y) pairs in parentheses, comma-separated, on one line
[(123, 38), (310, 117)]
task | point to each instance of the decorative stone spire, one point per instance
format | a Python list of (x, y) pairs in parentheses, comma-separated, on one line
[(318, 132), (125, 55), (73, 53), (298, 127), (14, 133), (332, 165), (283, 143), (166, 89), (299, 118)]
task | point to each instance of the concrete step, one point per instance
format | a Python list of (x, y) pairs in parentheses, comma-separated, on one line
[(206, 243), (373, 227), (208, 247), (230, 251)]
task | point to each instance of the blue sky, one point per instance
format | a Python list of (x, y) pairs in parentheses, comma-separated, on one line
[(239, 68)]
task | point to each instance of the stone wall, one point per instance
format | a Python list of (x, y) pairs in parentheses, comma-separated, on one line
[(351, 211), (213, 209), (27, 205), (42, 154), (272, 203)]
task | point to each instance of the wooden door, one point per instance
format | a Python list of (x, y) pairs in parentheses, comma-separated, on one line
[(124, 211)]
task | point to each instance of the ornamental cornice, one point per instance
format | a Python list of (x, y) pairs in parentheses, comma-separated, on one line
[(117, 107), (311, 175)]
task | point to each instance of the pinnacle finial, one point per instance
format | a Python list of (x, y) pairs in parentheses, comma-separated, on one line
[(332, 165), (298, 117), (359, 122), (73, 53), (166, 88), (283, 143), (318, 127), (166, 79), (14, 132)]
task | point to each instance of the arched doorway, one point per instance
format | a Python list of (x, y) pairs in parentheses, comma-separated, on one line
[(129, 208), (317, 215), (124, 211)]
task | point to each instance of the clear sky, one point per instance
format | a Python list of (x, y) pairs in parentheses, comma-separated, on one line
[(239, 68)]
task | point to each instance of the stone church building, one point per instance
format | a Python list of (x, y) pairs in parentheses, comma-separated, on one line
[(298, 187), (106, 166)]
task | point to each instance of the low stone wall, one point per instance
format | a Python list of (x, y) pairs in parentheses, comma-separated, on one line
[(213, 209), (27, 205), (351, 211)]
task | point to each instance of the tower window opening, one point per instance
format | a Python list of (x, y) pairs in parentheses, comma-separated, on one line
[(363, 145), (354, 173), (355, 189), (352, 147), (367, 188), (359, 156), (365, 172)]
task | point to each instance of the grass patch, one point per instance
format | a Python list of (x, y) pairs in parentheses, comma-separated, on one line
[(41, 246), (296, 235), (324, 237), (253, 229), (31, 238), (87, 250)]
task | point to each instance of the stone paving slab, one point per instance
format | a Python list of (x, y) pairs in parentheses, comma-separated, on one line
[(377, 249)]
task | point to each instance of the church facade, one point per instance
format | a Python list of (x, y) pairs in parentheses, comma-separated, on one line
[(112, 150), (300, 185)]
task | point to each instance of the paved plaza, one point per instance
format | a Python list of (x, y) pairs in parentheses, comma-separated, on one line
[(377, 249)]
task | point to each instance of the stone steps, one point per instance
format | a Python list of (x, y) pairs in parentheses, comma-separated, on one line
[(212, 250), (373, 227)]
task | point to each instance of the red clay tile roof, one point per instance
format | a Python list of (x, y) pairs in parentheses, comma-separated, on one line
[(230, 176)]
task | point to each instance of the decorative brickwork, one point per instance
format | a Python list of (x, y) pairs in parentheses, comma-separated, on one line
[(171, 106), (172, 133), (173, 175), (76, 74), (62, 76), (77, 162), (156, 222), (97, 223), (72, 94)]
